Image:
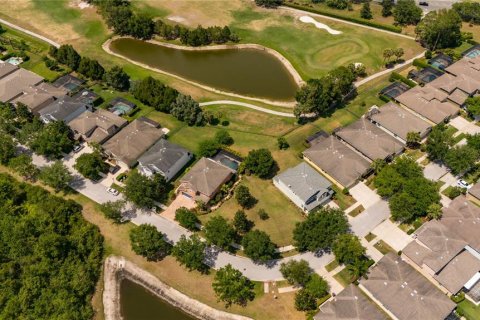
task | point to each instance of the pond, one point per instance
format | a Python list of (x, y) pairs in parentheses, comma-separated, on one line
[(248, 72), (137, 303)]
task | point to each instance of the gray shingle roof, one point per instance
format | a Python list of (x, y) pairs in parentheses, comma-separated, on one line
[(61, 109), (162, 156), (13, 84), (370, 140), (337, 160), (405, 292), (399, 121), (457, 273), (350, 304)]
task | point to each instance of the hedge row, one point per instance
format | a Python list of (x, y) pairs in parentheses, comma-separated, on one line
[(421, 63), (351, 19), (397, 76)]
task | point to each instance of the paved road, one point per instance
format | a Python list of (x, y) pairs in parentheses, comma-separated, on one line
[(33, 34), (248, 105)]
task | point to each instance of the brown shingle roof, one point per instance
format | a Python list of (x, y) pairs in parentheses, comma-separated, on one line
[(206, 176), (350, 304), (133, 140), (6, 68), (97, 126), (466, 66), (13, 85), (428, 102), (34, 98), (369, 140), (399, 121), (337, 160), (405, 292), (475, 190), (457, 273)]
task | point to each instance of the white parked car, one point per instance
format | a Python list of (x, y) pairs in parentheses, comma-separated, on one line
[(77, 148), (463, 184), (113, 191)]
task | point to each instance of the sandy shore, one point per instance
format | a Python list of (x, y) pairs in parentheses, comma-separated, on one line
[(285, 62), (117, 268)]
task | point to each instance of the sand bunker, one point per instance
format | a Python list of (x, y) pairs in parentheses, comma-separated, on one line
[(307, 19), (176, 19)]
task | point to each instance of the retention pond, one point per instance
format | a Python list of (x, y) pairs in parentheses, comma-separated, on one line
[(242, 71), (137, 303)]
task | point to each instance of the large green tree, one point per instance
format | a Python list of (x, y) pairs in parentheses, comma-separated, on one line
[(219, 232), (462, 158), (144, 191), (439, 142), (320, 229), (258, 246), (148, 242), (56, 176), (187, 218), (113, 210), (440, 29), (188, 110), (407, 12), (232, 287), (244, 197), (305, 300), (296, 272), (24, 166), (53, 140), (347, 248), (259, 162), (7, 148), (90, 165), (117, 78), (191, 253)]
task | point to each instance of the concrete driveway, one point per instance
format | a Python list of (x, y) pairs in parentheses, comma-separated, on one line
[(364, 195), (434, 171), (365, 222), (464, 125), (392, 235), (180, 201)]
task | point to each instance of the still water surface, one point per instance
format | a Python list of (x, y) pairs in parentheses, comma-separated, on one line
[(249, 72), (139, 304)]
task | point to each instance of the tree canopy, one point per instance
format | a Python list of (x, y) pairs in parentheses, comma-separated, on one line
[(90, 165), (244, 197), (259, 162), (440, 29), (188, 110), (148, 242), (461, 158), (117, 79), (187, 218), (296, 272), (113, 210), (219, 232), (56, 176), (144, 191), (258, 246), (347, 249), (319, 231), (439, 142), (52, 262), (53, 140), (191, 253), (232, 287), (407, 12)]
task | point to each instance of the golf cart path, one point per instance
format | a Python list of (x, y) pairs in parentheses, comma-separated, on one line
[(31, 33)]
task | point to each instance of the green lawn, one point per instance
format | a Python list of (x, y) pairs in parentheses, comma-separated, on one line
[(355, 212), (469, 310), (332, 265), (283, 214), (370, 236), (343, 277), (383, 247)]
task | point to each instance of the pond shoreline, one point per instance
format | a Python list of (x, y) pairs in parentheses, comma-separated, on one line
[(118, 268), (291, 70)]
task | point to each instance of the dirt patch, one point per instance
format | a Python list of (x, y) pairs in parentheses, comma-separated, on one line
[(117, 268)]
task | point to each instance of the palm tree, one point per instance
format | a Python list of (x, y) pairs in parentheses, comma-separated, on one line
[(357, 269)]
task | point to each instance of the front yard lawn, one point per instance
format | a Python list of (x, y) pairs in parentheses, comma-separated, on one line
[(383, 247), (355, 212), (343, 277), (468, 310)]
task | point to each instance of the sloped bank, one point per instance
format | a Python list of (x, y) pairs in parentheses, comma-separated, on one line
[(117, 268)]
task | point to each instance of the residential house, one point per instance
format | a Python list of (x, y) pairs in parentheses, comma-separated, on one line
[(448, 250), (13, 84), (64, 109), (467, 66), (441, 61), (429, 103), (398, 122), (132, 141), (458, 88), (403, 293), (39, 96), (97, 126), (69, 83), (204, 180), (474, 193), (369, 140), (350, 304), (164, 158), (6, 69), (87, 97), (337, 161), (304, 186)]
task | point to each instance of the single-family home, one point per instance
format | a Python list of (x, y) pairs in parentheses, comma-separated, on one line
[(165, 158), (350, 304), (204, 180), (429, 103), (39, 96), (337, 161), (369, 140), (403, 293), (466, 66), (70, 83), (132, 141), (13, 84), (64, 109), (458, 88), (304, 186), (398, 121), (448, 250), (97, 126), (6, 68)]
